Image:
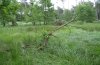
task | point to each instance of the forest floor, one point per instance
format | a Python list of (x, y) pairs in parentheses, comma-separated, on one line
[(73, 45)]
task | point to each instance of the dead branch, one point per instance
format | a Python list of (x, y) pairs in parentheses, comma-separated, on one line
[(62, 26), (48, 35)]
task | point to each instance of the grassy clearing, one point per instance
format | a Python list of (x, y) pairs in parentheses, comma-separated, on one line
[(88, 26), (18, 46)]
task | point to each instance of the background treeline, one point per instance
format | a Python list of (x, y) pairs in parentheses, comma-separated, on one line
[(42, 12)]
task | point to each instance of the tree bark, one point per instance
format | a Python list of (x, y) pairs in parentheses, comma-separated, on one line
[(14, 23), (3, 22)]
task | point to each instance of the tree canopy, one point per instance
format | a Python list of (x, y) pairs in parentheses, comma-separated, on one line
[(85, 12)]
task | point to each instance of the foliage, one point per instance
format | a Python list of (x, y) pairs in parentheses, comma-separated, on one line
[(37, 11), (85, 12), (4, 10), (47, 10), (68, 15), (60, 13), (36, 14), (8, 11)]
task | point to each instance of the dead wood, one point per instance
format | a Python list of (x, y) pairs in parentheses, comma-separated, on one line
[(47, 36)]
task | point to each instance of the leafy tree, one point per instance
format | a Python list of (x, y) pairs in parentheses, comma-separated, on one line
[(13, 9), (23, 10), (36, 11), (35, 14), (8, 10), (4, 11), (48, 10), (85, 12), (68, 15), (59, 13)]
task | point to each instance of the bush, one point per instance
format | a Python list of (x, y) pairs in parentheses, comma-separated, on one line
[(59, 22), (85, 12)]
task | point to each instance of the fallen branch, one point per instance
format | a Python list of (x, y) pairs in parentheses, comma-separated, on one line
[(47, 36), (63, 25)]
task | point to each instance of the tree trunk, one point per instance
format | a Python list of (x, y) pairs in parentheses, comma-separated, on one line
[(3, 22), (13, 20), (33, 23), (98, 10), (14, 23), (45, 23), (98, 15)]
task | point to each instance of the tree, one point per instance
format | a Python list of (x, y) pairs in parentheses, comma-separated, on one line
[(60, 13), (4, 11), (98, 9), (85, 12), (36, 11), (35, 14), (48, 10), (8, 10), (13, 9), (68, 14)]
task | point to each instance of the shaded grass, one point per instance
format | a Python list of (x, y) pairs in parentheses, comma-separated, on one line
[(18, 46)]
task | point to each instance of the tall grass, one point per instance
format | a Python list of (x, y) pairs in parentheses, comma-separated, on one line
[(18, 46)]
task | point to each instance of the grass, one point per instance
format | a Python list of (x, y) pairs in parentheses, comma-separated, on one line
[(88, 26), (18, 46)]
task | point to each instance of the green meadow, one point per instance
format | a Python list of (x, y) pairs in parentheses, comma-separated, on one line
[(73, 45)]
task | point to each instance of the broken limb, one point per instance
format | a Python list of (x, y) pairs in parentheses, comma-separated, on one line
[(47, 36)]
